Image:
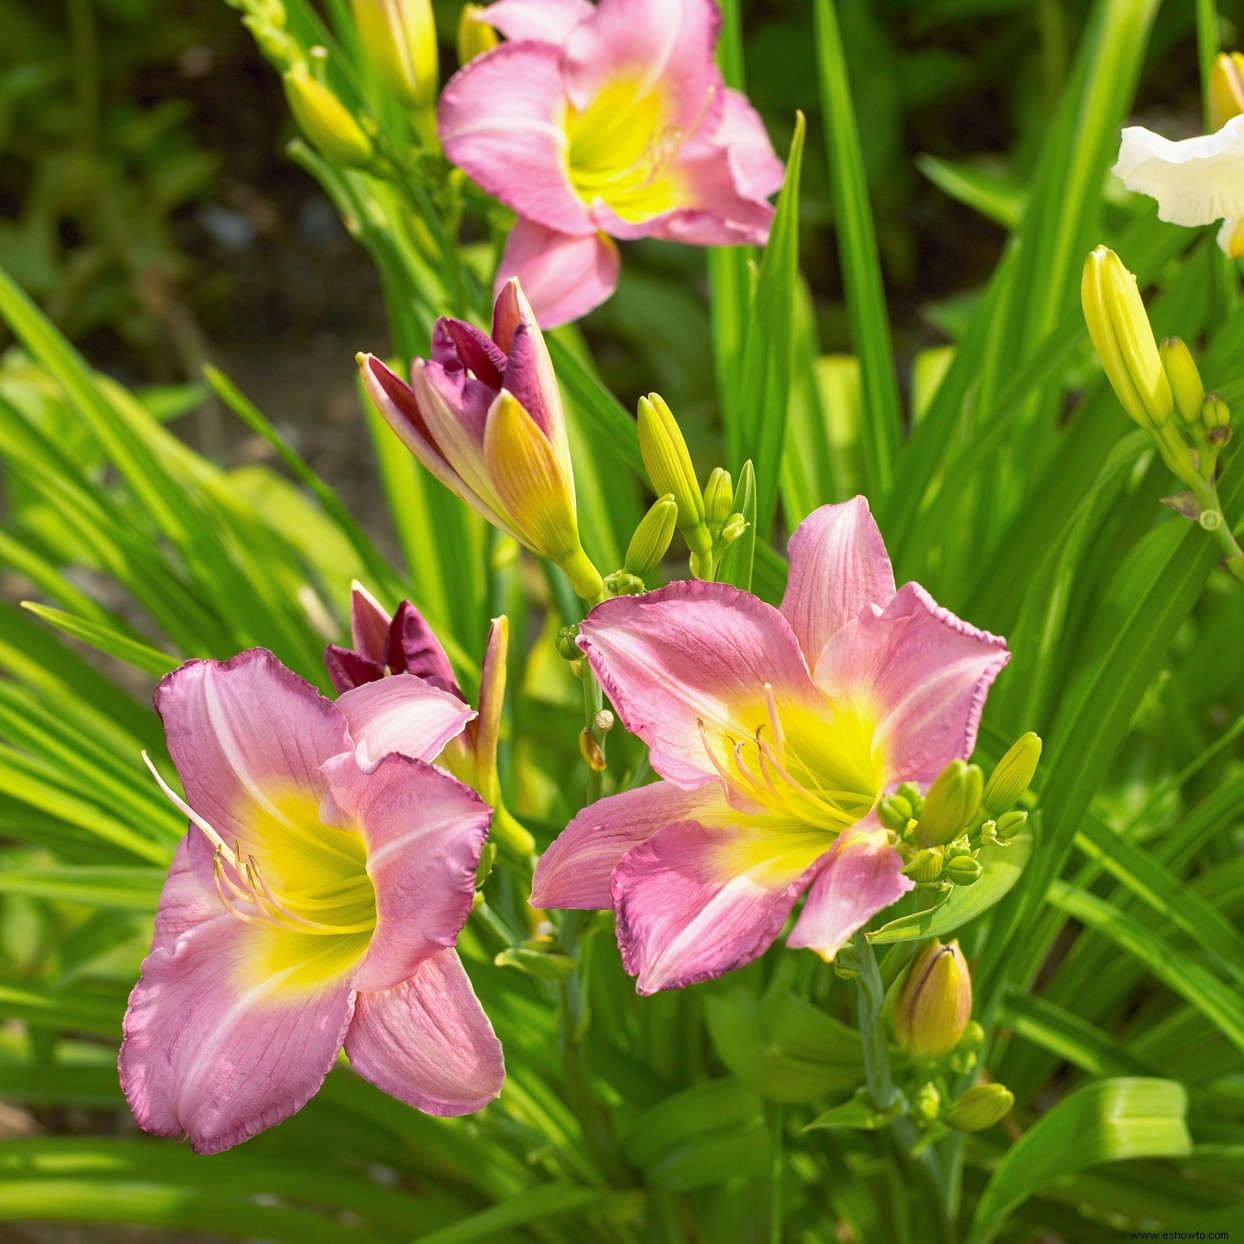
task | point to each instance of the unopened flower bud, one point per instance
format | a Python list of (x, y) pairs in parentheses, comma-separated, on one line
[(669, 467), (399, 38), (590, 749), (474, 36), (973, 1038), (620, 583), (926, 866), (652, 537), (718, 500), (325, 121), (894, 812), (566, 645), (1226, 89), (911, 792), (963, 870), (950, 804), (1013, 775), (1119, 327), (935, 1003), (733, 528), (980, 1107), (1185, 380), (1010, 825), (1216, 417), (928, 1103)]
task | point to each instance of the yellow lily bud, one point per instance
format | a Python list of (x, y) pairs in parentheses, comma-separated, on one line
[(399, 37), (474, 37), (669, 467), (1013, 775), (325, 121), (1216, 418), (718, 500), (950, 804), (1119, 327), (979, 1108), (1185, 380), (934, 1005), (1226, 89), (652, 537)]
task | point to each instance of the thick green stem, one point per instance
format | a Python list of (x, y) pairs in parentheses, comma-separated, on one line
[(872, 1026)]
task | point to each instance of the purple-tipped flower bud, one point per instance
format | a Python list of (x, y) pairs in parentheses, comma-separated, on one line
[(934, 1004)]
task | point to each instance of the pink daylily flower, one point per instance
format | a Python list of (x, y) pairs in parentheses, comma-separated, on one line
[(776, 732), (601, 122), (406, 644), (314, 903)]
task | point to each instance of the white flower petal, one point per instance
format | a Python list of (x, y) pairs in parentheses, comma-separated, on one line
[(1195, 182)]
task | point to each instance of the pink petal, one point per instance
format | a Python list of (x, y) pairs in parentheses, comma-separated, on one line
[(758, 173), (502, 121), (401, 713), (414, 648), (862, 875), (424, 831), (695, 652), (248, 737), (369, 625), (921, 674), (693, 903), (547, 20), (665, 45), (838, 564), (576, 869), (427, 1041), (219, 1045), (565, 275)]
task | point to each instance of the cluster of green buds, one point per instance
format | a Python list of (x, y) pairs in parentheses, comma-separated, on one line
[(707, 519), (933, 1026), (1161, 389), (940, 831)]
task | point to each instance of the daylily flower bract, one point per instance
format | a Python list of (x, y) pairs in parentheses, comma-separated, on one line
[(605, 122), (776, 732), (314, 903)]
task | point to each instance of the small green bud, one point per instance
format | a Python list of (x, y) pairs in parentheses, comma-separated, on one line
[(894, 812), (622, 584), (926, 866), (1013, 775), (1216, 417), (934, 1004), (325, 121), (733, 528), (950, 804), (980, 1107), (963, 870), (1010, 825), (959, 846), (668, 463), (973, 1038), (566, 645), (718, 500), (474, 36), (928, 1103), (1185, 380), (652, 537), (911, 792)]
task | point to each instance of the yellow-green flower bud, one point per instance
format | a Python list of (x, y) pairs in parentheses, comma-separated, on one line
[(1119, 327), (718, 500), (979, 1108), (621, 583), (399, 38), (1226, 89), (1009, 825), (1185, 380), (963, 870), (911, 792), (935, 1003), (1013, 775), (474, 37), (926, 866), (325, 121), (928, 1103), (669, 467), (1216, 416), (894, 812), (971, 1041), (950, 804), (652, 537)]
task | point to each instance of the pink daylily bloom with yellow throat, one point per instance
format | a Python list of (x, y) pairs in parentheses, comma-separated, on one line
[(601, 122), (313, 904), (776, 732)]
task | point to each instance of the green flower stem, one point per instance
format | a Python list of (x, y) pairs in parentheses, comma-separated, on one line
[(1206, 493), (872, 1026)]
